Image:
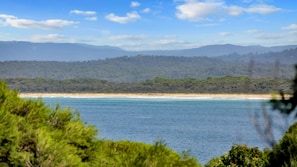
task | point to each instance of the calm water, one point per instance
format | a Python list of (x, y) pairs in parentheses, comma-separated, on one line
[(207, 127)]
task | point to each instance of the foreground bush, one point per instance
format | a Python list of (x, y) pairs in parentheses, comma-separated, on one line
[(284, 153), (33, 134), (240, 155)]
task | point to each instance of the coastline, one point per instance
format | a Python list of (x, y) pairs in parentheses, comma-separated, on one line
[(146, 95)]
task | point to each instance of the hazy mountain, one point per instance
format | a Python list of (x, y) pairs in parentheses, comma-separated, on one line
[(220, 50), (56, 51), (288, 56), (20, 51)]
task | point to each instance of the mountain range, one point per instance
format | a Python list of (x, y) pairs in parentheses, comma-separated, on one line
[(69, 52)]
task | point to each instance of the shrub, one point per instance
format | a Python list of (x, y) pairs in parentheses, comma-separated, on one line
[(240, 155), (284, 153)]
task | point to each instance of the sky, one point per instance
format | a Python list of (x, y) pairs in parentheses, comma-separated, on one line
[(150, 24)]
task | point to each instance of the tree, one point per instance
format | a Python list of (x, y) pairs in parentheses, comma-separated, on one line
[(240, 155)]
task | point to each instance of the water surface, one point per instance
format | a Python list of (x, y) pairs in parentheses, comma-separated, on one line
[(207, 127)]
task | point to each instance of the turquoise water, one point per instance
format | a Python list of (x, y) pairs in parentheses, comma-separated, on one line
[(207, 127)]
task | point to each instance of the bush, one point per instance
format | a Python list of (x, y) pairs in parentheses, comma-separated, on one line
[(284, 153), (240, 155)]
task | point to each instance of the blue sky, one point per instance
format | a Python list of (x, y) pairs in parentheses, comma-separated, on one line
[(150, 24)]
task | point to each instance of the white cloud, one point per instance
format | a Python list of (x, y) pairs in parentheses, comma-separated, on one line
[(290, 27), (128, 37), (48, 38), (130, 17), (252, 31), (84, 13), (167, 42), (267, 36), (234, 10), (5, 16), (94, 18), (197, 11), (224, 34), (134, 4), (164, 42), (293, 33), (52, 24), (194, 10), (146, 10), (91, 14), (262, 9), (207, 25)]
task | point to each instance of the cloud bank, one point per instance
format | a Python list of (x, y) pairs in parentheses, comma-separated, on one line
[(91, 15), (51, 24), (194, 10)]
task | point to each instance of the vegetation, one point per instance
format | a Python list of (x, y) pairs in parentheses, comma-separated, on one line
[(227, 84), (240, 155), (141, 68), (284, 153), (33, 134)]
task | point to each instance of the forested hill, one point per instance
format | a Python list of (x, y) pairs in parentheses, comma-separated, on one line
[(140, 68)]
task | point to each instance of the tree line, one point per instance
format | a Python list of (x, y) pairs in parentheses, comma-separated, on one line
[(227, 84), (141, 68)]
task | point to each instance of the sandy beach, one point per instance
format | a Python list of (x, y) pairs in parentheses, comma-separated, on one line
[(146, 95)]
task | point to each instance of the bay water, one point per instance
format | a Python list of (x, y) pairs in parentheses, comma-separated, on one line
[(207, 127)]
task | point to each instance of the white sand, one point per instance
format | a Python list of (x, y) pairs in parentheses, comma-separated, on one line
[(146, 95)]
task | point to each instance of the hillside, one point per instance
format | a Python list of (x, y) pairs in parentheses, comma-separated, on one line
[(28, 51), (140, 68)]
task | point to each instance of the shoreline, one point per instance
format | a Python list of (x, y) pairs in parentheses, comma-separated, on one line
[(145, 95)]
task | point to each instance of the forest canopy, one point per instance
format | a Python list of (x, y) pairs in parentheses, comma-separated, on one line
[(227, 84), (141, 68)]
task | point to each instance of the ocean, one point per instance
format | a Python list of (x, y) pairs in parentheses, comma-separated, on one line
[(207, 127)]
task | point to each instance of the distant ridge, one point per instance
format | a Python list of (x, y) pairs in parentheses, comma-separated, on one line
[(55, 51), (29, 51)]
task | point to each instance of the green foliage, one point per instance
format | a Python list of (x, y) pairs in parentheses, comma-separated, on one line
[(227, 84), (240, 155), (215, 162), (284, 153), (139, 68), (126, 153), (33, 134)]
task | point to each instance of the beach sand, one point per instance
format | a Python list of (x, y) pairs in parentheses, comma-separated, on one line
[(146, 95)]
